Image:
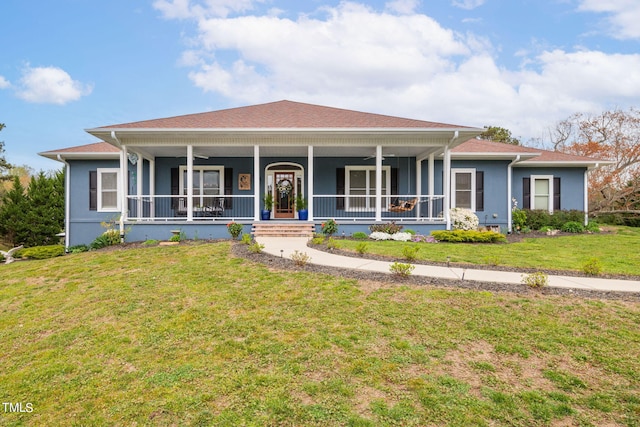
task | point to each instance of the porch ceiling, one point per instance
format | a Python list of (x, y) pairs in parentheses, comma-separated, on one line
[(283, 151)]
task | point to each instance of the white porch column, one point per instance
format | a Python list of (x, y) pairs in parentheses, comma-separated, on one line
[(256, 182), (432, 184), (447, 186), (586, 197), (139, 182), (152, 187), (379, 183), (189, 182), (418, 186), (310, 181), (124, 179)]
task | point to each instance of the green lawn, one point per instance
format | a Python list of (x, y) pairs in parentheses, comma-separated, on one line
[(190, 335), (618, 251)]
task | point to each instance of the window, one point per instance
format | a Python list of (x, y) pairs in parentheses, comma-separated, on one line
[(542, 192), (108, 194), (463, 188), (360, 185), (208, 181)]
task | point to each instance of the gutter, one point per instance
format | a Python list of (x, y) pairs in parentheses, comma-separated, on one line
[(67, 181), (509, 193)]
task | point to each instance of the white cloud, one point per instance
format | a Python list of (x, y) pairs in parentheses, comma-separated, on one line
[(183, 9), (4, 83), (623, 16), (404, 7), (353, 56), (50, 85), (467, 4)]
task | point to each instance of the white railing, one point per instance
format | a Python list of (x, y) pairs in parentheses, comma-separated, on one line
[(405, 207), (174, 208)]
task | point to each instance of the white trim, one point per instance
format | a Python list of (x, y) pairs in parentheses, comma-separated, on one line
[(586, 197), (270, 181), (532, 193), (379, 183), (310, 182), (454, 172), (118, 190), (256, 182), (201, 168), (347, 186)]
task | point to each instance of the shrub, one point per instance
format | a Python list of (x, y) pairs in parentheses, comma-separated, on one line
[(593, 227), (380, 235), (572, 227), (329, 227), (102, 241), (463, 219), (256, 248), (362, 247), (389, 228), (518, 219), (593, 267), (331, 243), (360, 235), (300, 258), (42, 252), (468, 236), (410, 252), (76, 249), (401, 237), (410, 231), (546, 229), (401, 269), (175, 238), (493, 260), (535, 280), (317, 240), (418, 238), (234, 229)]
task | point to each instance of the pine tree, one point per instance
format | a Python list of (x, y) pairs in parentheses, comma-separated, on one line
[(45, 213), (12, 213)]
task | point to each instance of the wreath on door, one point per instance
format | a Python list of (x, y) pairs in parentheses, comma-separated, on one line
[(284, 187)]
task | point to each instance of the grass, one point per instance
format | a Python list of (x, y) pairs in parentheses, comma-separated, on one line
[(618, 252), (189, 335)]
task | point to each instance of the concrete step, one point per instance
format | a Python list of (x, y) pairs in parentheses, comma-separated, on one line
[(283, 229)]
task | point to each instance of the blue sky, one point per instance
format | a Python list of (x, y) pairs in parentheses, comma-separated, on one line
[(70, 65)]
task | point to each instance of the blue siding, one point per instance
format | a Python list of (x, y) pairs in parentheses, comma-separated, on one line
[(571, 185)]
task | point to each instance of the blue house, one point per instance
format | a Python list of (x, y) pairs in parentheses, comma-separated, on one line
[(198, 172)]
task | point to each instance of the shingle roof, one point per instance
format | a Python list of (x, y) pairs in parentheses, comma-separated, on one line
[(283, 115), (94, 148)]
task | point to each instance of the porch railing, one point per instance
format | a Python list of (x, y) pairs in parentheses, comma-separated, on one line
[(174, 208), (241, 207), (394, 207)]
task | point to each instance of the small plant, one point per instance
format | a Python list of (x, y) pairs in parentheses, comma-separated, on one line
[(175, 238), (150, 242), (332, 244), (535, 280), (463, 219), (234, 229), (76, 249), (246, 239), (268, 201), (410, 252), (329, 227), (518, 219), (572, 227), (360, 235), (419, 238), (492, 260), (546, 229), (42, 252), (402, 270), (593, 267), (256, 248), (301, 203), (300, 258), (362, 247), (317, 240)]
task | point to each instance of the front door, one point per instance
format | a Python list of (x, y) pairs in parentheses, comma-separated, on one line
[(283, 195)]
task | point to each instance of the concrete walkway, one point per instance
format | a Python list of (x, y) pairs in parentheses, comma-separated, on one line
[(285, 246)]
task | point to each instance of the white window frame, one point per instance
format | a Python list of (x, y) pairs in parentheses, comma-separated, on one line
[(118, 190), (201, 168), (385, 186), (454, 173), (532, 191)]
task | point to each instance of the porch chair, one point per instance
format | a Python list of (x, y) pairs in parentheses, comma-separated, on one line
[(402, 205), (216, 209)]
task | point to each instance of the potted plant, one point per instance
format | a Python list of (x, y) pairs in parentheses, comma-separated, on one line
[(268, 205), (301, 207)]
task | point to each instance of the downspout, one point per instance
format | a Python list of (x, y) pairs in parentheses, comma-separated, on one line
[(447, 180), (509, 195), (67, 181)]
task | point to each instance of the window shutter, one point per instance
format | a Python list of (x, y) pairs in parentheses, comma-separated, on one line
[(340, 183), (526, 193), (175, 187), (228, 188), (556, 194), (93, 190), (479, 191)]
